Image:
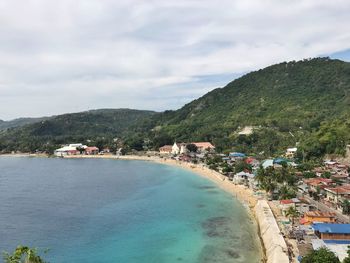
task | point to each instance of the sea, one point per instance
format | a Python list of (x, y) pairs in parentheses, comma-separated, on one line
[(118, 211)]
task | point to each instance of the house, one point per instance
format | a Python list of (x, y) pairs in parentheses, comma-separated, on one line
[(314, 184), (336, 195), (252, 161), (330, 164), (66, 150), (287, 203), (318, 217), (91, 150), (179, 148), (267, 163), (291, 152), (340, 176), (243, 177), (204, 146), (166, 149), (331, 231), (236, 156)]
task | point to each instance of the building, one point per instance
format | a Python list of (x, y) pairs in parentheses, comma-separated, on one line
[(318, 217), (336, 195), (314, 184), (70, 149), (203, 147), (166, 149), (243, 177), (287, 203), (336, 232), (291, 152), (179, 148), (91, 150)]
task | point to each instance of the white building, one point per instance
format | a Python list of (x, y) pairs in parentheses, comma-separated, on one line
[(179, 148), (290, 153), (70, 149)]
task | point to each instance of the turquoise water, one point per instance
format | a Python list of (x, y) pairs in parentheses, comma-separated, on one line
[(99, 210)]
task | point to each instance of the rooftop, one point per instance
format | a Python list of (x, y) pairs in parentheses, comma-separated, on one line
[(320, 214), (332, 228)]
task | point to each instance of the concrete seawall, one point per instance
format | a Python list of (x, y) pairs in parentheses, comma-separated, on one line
[(275, 247)]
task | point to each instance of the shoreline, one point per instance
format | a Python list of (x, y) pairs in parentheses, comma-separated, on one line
[(271, 250)]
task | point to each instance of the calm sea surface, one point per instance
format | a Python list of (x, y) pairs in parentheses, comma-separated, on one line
[(95, 210)]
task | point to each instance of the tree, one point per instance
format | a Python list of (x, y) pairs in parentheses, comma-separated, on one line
[(192, 147), (286, 192), (23, 254), (242, 166), (347, 259), (322, 255), (346, 207), (292, 213)]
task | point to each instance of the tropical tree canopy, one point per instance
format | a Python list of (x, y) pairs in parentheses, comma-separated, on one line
[(23, 254), (322, 255)]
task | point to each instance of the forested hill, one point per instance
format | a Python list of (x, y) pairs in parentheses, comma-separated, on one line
[(305, 101), (94, 125), (19, 122), (288, 97)]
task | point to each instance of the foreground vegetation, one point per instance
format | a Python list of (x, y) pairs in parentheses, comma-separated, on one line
[(23, 254)]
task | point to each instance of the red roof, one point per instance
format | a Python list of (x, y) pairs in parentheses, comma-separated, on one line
[(204, 145), (91, 148), (249, 160), (166, 148)]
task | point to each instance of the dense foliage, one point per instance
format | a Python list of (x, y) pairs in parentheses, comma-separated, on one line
[(19, 122), (97, 127), (23, 254)]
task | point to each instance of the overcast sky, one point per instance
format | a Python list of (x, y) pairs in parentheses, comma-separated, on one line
[(73, 55)]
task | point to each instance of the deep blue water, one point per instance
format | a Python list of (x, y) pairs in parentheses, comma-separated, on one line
[(99, 210)]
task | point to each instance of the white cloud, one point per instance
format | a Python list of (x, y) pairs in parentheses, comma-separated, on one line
[(62, 56)]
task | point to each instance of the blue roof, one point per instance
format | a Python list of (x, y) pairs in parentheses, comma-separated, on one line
[(338, 242), (236, 154), (332, 228), (280, 160)]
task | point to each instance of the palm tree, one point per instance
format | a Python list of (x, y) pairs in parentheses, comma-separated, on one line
[(292, 213)]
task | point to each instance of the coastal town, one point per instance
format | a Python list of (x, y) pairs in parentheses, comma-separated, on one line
[(299, 207)]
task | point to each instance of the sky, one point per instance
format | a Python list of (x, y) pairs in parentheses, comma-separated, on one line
[(75, 55)]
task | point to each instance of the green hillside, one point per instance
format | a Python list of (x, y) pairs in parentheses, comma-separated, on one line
[(306, 101), (95, 125), (19, 122), (288, 97)]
